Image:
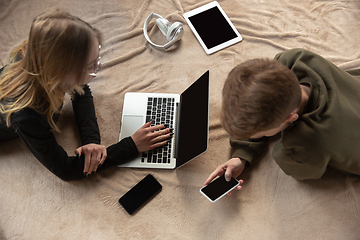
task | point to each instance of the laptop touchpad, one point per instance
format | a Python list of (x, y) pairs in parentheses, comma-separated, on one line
[(131, 124)]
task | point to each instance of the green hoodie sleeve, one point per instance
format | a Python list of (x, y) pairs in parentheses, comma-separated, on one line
[(247, 149)]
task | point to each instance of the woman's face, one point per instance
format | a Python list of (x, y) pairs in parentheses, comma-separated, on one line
[(93, 65)]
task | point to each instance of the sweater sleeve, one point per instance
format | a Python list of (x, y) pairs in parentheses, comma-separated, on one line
[(296, 162), (38, 137), (85, 117), (248, 149), (41, 142)]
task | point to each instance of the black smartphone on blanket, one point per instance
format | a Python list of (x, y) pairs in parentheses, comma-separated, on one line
[(219, 188), (140, 194)]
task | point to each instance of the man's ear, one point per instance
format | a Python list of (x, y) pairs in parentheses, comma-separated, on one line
[(292, 117)]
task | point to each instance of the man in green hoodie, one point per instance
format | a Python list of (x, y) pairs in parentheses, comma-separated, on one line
[(311, 102)]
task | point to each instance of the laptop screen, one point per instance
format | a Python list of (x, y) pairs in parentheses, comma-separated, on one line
[(193, 125)]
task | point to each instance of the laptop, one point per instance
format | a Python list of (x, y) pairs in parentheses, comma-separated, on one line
[(187, 114)]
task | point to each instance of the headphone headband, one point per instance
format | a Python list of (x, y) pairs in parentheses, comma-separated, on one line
[(176, 36)]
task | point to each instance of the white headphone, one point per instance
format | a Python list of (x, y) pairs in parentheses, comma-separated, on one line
[(173, 33)]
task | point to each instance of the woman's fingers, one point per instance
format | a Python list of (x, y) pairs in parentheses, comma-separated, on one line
[(94, 156)]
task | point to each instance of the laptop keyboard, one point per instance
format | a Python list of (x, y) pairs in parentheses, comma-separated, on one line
[(160, 111)]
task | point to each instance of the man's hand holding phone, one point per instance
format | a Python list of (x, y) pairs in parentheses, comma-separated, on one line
[(232, 168), (219, 188)]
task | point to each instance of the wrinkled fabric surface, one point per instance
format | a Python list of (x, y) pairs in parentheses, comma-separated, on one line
[(35, 204)]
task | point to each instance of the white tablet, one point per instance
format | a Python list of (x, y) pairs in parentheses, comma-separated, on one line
[(212, 27)]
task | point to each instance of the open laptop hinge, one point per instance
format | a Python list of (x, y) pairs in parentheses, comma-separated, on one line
[(176, 128)]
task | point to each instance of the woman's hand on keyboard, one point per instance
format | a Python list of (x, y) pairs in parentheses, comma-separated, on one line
[(149, 137)]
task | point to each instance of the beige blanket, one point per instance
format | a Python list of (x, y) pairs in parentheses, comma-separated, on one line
[(35, 204)]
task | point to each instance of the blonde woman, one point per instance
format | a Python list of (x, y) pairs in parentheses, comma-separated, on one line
[(61, 55)]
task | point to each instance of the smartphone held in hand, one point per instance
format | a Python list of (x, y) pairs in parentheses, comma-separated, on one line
[(219, 188)]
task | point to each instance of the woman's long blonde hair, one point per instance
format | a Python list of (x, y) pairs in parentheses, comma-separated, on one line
[(58, 45)]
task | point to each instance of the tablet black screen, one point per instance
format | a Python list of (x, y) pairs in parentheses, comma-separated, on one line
[(212, 27)]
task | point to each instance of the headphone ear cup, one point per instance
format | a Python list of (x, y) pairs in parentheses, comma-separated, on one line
[(163, 25), (173, 30)]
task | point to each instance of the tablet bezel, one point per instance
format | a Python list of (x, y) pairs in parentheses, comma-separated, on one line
[(204, 8)]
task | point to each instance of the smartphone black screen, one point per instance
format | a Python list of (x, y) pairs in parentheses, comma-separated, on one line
[(140, 194), (219, 187)]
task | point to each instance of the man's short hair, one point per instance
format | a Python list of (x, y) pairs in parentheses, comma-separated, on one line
[(258, 95)]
